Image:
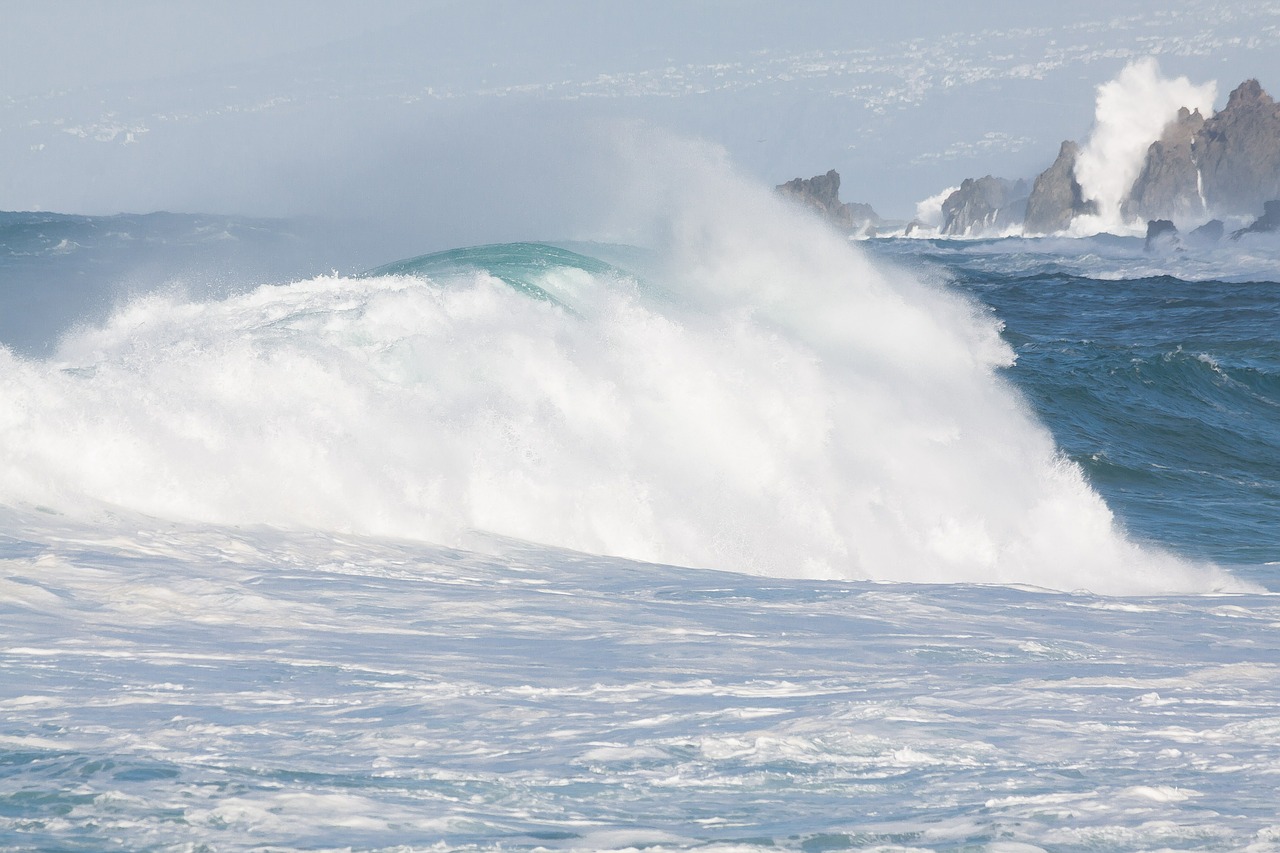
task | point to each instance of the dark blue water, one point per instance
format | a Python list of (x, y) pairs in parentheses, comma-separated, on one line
[(1166, 390)]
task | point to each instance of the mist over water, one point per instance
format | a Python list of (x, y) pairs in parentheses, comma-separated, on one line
[(762, 399)]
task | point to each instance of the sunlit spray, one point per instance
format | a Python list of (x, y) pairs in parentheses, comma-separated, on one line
[(929, 211), (763, 399), (1132, 112)]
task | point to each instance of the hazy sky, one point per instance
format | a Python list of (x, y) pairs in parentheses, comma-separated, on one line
[(483, 119)]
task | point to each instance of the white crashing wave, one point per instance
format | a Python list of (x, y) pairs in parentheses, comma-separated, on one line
[(770, 402), (929, 211), (1132, 112)]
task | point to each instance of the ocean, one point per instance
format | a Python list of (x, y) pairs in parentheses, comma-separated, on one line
[(736, 536)]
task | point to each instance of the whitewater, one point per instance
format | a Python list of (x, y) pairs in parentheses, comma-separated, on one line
[(723, 534)]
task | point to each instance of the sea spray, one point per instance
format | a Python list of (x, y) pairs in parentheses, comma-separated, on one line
[(763, 399), (1132, 112), (929, 211)]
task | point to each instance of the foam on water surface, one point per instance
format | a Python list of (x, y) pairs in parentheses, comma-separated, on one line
[(312, 691)]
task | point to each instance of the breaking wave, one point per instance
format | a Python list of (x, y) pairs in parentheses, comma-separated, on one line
[(749, 393), (1132, 112)]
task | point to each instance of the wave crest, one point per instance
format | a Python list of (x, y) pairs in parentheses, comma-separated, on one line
[(766, 400)]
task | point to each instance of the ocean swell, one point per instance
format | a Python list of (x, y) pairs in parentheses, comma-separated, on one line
[(763, 399)]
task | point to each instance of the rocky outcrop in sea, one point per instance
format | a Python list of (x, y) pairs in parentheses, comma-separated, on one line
[(1056, 197), (1161, 233), (1238, 152), (1227, 165), (984, 205), (821, 193), (1207, 234), (1267, 223), (1169, 184)]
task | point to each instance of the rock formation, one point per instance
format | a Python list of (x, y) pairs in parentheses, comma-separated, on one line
[(1238, 151), (821, 193), (1207, 234), (1056, 196), (1267, 223), (1169, 184), (984, 205), (1161, 234), (1227, 165)]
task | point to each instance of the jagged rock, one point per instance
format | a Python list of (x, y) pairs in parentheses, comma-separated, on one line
[(1227, 164), (984, 205), (1169, 185), (1207, 234), (1238, 151), (822, 194), (1266, 223), (861, 212), (1161, 234), (1056, 197)]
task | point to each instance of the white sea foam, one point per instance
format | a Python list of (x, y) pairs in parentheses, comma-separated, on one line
[(422, 698), (1132, 112), (791, 410)]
